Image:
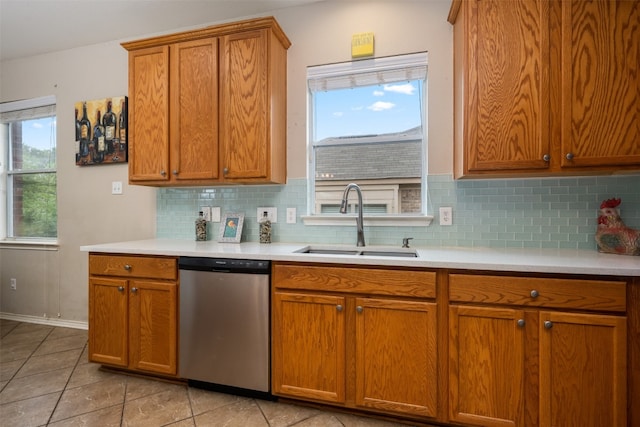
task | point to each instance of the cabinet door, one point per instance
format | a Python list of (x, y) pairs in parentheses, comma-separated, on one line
[(486, 366), (153, 326), (309, 346), (108, 321), (245, 105), (582, 370), (149, 114), (396, 356), (506, 58), (600, 83), (194, 110)]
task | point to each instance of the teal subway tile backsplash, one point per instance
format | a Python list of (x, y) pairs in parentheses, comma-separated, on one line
[(500, 213)]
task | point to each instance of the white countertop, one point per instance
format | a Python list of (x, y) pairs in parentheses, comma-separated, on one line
[(518, 260)]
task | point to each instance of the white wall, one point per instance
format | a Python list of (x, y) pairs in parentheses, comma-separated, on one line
[(88, 213), (321, 34)]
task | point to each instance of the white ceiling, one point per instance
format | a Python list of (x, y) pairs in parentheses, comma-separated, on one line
[(32, 27)]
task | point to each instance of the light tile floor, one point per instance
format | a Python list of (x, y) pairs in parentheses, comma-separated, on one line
[(46, 380)]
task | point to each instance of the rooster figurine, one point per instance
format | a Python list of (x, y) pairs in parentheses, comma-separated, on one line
[(612, 235)]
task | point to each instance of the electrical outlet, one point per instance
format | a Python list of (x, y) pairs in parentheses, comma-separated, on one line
[(215, 214), (272, 214), (14, 284), (206, 212), (291, 215), (446, 216), (116, 187)]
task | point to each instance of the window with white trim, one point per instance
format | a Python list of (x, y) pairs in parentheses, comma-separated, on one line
[(28, 169), (367, 124)]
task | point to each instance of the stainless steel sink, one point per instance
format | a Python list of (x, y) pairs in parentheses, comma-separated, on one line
[(373, 251)]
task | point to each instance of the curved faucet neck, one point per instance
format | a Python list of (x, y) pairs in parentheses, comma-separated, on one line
[(359, 219)]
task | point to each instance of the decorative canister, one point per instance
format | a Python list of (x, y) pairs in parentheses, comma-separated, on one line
[(265, 228), (201, 227)]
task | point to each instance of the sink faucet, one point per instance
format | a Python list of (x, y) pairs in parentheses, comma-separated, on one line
[(343, 210)]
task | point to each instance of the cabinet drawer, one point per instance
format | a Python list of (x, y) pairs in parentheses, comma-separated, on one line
[(133, 266), (412, 283), (604, 295)]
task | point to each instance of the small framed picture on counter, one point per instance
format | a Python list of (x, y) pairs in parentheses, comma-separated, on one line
[(231, 227)]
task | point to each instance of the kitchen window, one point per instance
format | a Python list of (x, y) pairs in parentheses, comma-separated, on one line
[(28, 170), (367, 124)]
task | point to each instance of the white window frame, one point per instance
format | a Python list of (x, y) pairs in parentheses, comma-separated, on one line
[(10, 111), (365, 72)]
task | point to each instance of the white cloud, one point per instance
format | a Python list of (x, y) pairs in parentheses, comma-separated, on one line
[(381, 106), (338, 114), (358, 108), (406, 88), (378, 93), (37, 125)]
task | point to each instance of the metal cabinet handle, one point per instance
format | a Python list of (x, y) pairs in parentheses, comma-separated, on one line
[(339, 307), (546, 157), (163, 172), (175, 172), (134, 290), (120, 288), (569, 156), (225, 171), (548, 324), (127, 267), (359, 309), (521, 323), (534, 294)]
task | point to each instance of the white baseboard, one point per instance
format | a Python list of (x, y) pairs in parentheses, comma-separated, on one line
[(76, 324)]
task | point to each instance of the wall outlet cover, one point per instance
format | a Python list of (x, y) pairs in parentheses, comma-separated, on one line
[(272, 214)]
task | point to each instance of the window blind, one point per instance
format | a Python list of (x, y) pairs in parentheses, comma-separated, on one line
[(367, 72), (27, 109)]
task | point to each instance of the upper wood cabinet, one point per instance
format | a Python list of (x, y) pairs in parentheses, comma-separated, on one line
[(545, 87), (209, 106)]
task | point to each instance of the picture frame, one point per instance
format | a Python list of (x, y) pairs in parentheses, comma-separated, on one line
[(231, 227), (101, 131)]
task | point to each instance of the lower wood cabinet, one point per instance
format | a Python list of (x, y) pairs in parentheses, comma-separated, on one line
[(396, 356), (517, 365), (133, 312), (350, 346), (487, 366)]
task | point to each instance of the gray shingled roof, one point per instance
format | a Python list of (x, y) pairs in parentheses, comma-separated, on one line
[(334, 160)]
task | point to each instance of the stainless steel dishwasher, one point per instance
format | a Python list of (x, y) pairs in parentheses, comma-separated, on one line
[(224, 323)]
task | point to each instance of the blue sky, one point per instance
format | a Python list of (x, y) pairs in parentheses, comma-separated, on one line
[(37, 133), (368, 110)]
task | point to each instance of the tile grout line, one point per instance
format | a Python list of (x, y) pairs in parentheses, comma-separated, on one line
[(66, 383)]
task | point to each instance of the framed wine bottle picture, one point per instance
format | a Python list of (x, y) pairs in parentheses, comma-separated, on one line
[(101, 131)]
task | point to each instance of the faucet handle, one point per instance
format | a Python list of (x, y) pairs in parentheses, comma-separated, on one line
[(405, 242)]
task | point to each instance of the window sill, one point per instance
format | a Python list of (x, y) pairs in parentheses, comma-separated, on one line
[(369, 221), (35, 244)]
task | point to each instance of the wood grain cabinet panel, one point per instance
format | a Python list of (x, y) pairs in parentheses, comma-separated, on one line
[(486, 366), (309, 346), (396, 363), (108, 321), (133, 312), (342, 339), (148, 105), (209, 106), (600, 83), (545, 87), (153, 322), (194, 106), (583, 370), (518, 360)]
